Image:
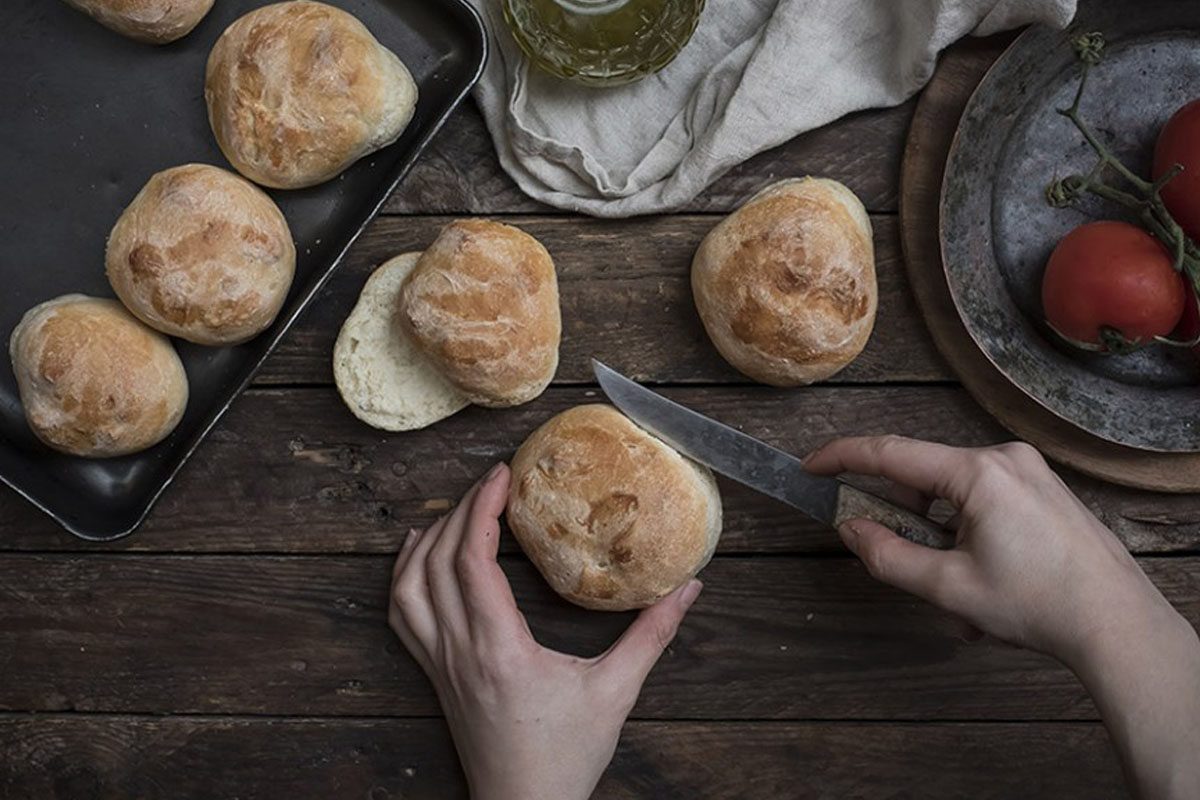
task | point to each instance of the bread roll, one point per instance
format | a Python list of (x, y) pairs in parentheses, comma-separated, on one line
[(202, 254), (299, 91), (93, 380), (151, 21), (381, 375), (482, 304), (612, 517), (785, 285)]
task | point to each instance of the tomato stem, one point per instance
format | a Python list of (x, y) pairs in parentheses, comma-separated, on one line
[(1115, 343)]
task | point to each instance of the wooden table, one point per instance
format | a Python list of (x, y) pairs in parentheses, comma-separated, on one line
[(236, 645)]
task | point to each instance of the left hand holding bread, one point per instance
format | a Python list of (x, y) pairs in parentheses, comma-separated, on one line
[(528, 722)]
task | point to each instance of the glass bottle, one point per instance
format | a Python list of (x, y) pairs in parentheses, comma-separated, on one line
[(602, 42)]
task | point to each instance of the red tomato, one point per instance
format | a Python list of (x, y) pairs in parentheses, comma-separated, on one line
[(1115, 275), (1189, 324), (1179, 143)]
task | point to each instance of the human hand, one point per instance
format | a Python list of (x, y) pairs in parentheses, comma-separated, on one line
[(529, 723), (1032, 565)]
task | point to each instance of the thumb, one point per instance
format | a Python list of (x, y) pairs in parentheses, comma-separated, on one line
[(630, 660), (891, 559)]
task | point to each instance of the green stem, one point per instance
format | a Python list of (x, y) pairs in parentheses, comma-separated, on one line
[(1106, 156), (1167, 232)]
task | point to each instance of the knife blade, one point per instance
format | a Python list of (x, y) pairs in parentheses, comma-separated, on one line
[(760, 466)]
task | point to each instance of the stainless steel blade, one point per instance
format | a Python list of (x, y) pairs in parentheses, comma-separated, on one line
[(726, 450)]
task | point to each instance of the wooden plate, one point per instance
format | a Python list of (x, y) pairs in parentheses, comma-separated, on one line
[(998, 230), (936, 118)]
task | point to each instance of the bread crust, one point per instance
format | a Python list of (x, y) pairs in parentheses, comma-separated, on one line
[(202, 254), (150, 21), (93, 380), (612, 517), (298, 91), (785, 285), (482, 304)]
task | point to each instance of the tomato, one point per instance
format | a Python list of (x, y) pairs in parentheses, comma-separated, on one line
[(1115, 275), (1189, 325), (1179, 143)]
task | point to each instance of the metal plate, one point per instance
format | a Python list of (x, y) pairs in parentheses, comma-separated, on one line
[(997, 230), (88, 117)]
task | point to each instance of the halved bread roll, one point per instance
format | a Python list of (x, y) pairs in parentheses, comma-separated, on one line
[(482, 303), (383, 377), (473, 319)]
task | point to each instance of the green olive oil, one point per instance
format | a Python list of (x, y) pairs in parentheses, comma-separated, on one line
[(602, 42)]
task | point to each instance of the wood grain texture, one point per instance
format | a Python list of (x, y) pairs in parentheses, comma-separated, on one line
[(799, 638), (936, 119), (795, 652), (459, 172), (626, 299), (120, 757), (292, 471)]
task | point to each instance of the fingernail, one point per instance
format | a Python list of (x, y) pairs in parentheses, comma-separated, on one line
[(690, 593), (808, 458), (411, 537), (493, 472)]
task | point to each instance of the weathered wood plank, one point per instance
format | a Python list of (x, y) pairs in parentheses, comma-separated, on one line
[(783, 638), (115, 758), (626, 298), (292, 471), (459, 173)]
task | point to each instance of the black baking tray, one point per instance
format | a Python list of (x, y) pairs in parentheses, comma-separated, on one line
[(86, 117)]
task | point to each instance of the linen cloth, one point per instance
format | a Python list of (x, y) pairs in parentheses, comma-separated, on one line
[(756, 73)]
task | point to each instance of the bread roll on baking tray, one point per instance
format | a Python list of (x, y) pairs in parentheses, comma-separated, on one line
[(785, 285), (612, 517), (151, 21), (482, 304), (202, 254), (384, 379), (299, 91), (94, 381)]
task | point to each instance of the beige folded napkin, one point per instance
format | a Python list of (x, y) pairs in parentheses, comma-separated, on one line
[(757, 73)]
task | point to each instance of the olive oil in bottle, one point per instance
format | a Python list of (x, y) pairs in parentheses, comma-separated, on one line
[(602, 42)]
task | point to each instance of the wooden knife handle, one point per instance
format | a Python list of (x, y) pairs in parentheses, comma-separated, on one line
[(856, 504)]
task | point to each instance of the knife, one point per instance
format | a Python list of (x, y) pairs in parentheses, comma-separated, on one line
[(759, 465)]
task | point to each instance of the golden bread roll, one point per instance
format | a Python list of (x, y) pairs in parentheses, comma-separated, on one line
[(384, 379), (151, 21), (94, 381), (482, 304), (785, 285), (202, 254), (612, 517), (299, 91)]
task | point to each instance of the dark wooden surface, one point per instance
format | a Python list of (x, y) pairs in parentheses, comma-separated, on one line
[(236, 645)]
